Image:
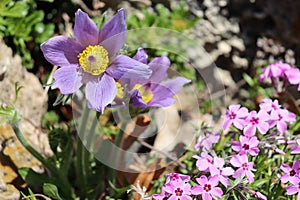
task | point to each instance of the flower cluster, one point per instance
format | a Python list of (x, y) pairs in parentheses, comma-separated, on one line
[(91, 58), (292, 176), (280, 70), (216, 172)]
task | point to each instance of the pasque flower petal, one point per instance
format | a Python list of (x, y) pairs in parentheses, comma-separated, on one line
[(67, 79), (100, 91), (159, 67), (124, 67), (85, 30), (113, 33), (61, 51), (141, 56)]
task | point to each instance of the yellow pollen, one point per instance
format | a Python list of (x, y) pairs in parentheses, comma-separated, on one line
[(146, 93), (94, 59), (120, 90)]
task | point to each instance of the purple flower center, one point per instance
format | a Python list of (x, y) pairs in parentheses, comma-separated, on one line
[(274, 106), (174, 176), (232, 115), (178, 192), (245, 166), (292, 172), (254, 120), (94, 59), (207, 187), (246, 146), (280, 117)]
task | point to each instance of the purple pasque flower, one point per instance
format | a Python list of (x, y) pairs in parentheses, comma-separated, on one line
[(177, 177), (91, 58), (274, 70), (246, 145), (245, 168), (208, 141), (257, 121), (207, 187), (235, 115), (204, 162), (280, 118), (296, 148), (290, 172), (269, 106), (154, 92), (216, 169), (178, 190), (294, 188)]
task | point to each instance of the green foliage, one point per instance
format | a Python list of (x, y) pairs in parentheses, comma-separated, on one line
[(179, 18), (21, 21), (50, 119), (51, 190)]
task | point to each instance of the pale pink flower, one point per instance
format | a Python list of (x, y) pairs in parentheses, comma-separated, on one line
[(274, 70), (204, 162), (294, 188), (246, 145), (257, 121), (178, 190), (235, 115), (245, 168), (208, 141), (296, 148), (177, 177), (290, 172), (207, 187), (280, 118), (268, 105), (217, 169)]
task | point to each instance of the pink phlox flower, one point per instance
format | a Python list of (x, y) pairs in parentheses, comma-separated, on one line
[(293, 76), (217, 170), (177, 177), (203, 162), (178, 190), (274, 70), (245, 168), (208, 141), (257, 121), (235, 115), (296, 148), (269, 106), (163, 195), (207, 187), (295, 187), (260, 196), (246, 145), (280, 118), (290, 172)]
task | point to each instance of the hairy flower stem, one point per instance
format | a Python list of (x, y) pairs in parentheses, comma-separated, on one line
[(65, 185), (82, 156)]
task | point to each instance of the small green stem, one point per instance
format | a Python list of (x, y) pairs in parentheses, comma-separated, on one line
[(65, 186), (82, 154)]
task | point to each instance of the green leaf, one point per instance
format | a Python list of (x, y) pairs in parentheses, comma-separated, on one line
[(51, 191), (17, 9), (32, 178)]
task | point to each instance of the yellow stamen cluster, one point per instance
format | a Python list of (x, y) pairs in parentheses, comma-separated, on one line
[(120, 90), (94, 59), (146, 93)]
